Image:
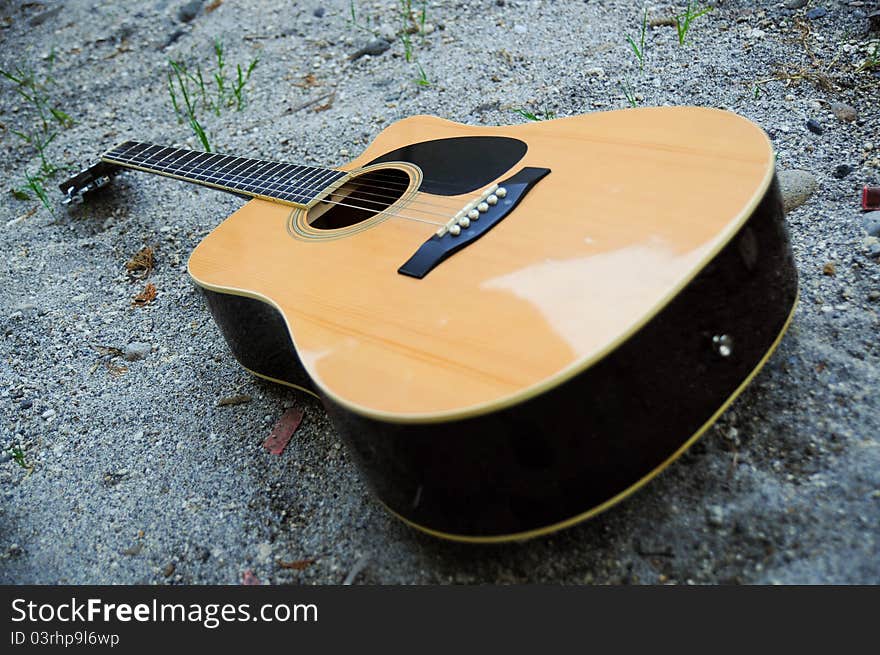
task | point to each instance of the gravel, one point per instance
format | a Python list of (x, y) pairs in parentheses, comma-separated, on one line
[(134, 474)]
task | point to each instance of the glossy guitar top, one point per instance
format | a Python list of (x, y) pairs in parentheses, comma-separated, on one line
[(636, 203)]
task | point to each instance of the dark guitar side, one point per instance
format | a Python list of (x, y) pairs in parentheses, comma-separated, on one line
[(569, 453)]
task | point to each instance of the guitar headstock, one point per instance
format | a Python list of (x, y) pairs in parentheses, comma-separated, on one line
[(89, 179)]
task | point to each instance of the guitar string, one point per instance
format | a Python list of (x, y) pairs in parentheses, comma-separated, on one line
[(250, 181), (135, 144), (372, 210), (145, 146), (268, 182), (264, 184)]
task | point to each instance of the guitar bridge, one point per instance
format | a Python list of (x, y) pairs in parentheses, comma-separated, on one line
[(472, 222)]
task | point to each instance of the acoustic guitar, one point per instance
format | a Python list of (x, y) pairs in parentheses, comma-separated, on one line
[(511, 328)]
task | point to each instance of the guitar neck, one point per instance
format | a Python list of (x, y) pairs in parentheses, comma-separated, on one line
[(278, 181)]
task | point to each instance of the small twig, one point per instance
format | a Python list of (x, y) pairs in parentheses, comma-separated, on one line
[(359, 566), (732, 468), (330, 95), (651, 553)]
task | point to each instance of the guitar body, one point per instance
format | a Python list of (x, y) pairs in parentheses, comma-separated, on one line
[(550, 367)]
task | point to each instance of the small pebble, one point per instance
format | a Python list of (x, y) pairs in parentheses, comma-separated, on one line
[(715, 515), (874, 296), (174, 37), (796, 186), (829, 269), (189, 11), (814, 126), (816, 12), (842, 171), (136, 350), (373, 48), (871, 223), (844, 112), (319, 12), (795, 4), (168, 571)]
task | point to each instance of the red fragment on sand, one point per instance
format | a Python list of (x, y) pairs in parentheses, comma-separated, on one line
[(249, 578), (871, 198), (283, 431)]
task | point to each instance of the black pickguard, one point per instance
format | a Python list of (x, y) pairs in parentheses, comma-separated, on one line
[(460, 164)]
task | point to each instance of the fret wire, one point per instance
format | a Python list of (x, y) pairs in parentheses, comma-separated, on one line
[(252, 174), (290, 179), (132, 144), (143, 154), (298, 173), (312, 181), (209, 164), (184, 165), (192, 162), (211, 156), (310, 171), (257, 173), (271, 176), (156, 158), (237, 170), (170, 162), (300, 188), (309, 179), (296, 194), (281, 178), (173, 152), (206, 170), (208, 175), (262, 180)]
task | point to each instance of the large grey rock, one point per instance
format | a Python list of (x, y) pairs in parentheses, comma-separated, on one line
[(797, 186)]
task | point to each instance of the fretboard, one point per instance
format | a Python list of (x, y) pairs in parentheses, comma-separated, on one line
[(288, 183)]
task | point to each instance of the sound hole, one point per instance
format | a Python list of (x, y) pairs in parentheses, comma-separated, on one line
[(359, 199)]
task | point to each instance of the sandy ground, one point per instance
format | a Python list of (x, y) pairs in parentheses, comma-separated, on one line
[(117, 471)]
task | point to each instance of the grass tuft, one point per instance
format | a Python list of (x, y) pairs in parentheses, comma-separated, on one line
[(639, 49), (544, 115), (45, 117), (683, 21), (190, 93), (628, 93), (18, 456), (422, 79)]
